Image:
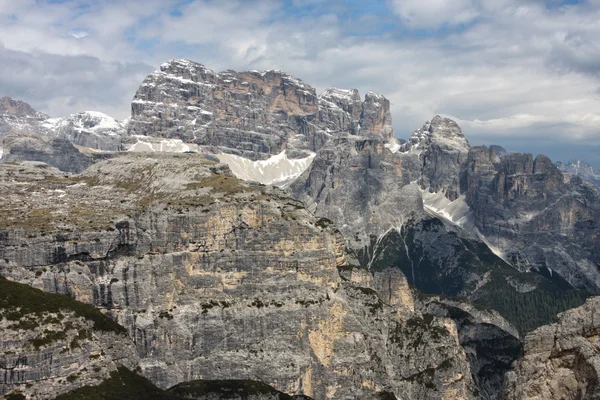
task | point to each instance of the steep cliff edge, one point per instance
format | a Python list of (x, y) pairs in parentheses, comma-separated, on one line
[(534, 217), (561, 360), (214, 278), (51, 344), (251, 114)]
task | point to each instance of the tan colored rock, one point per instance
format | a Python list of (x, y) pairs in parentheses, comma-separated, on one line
[(560, 361)]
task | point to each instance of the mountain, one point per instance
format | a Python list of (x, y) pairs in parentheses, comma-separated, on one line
[(251, 114), (582, 169), (214, 278), (89, 129), (15, 114), (245, 228), (65, 143)]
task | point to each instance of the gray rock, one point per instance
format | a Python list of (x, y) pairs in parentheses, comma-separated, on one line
[(490, 342), (253, 114), (443, 150), (582, 169), (54, 151), (536, 219), (362, 187), (561, 361), (216, 278), (15, 114)]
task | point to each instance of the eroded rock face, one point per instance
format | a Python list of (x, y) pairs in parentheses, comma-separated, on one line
[(536, 219), (215, 278), (54, 151), (490, 342), (253, 114), (360, 185), (443, 150), (561, 360), (50, 344)]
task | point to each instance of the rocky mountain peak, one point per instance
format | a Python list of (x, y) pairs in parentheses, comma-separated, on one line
[(91, 129), (441, 131), (187, 69), (251, 114), (376, 117), (340, 97), (18, 108), (341, 111)]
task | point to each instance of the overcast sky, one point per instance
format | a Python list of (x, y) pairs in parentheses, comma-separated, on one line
[(521, 73)]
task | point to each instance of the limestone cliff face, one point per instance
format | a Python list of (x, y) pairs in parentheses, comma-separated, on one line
[(561, 360), (253, 114), (368, 186), (490, 342), (536, 218), (50, 344), (360, 185), (443, 151), (215, 278)]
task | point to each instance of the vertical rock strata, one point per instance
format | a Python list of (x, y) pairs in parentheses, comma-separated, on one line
[(51, 344), (561, 361), (253, 114), (215, 278)]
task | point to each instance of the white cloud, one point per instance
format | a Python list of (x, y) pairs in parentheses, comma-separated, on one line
[(434, 13), (505, 69)]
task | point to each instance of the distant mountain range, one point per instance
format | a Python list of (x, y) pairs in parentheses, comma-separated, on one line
[(582, 169)]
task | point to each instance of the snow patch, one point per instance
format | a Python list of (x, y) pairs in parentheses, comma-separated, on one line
[(277, 170), (456, 212), (393, 145)]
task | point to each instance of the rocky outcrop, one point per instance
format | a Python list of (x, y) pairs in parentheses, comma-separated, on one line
[(368, 186), (443, 150), (360, 185), (536, 220), (54, 151), (252, 114), (561, 361), (213, 278), (51, 344), (490, 342)]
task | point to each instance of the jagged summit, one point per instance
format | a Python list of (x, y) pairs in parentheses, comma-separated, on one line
[(442, 131), (28, 134), (343, 112), (251, 114)]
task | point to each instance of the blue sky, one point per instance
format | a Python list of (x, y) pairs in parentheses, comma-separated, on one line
[(521, 73)]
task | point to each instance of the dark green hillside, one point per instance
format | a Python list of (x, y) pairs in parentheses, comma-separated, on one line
[(437, 260)]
